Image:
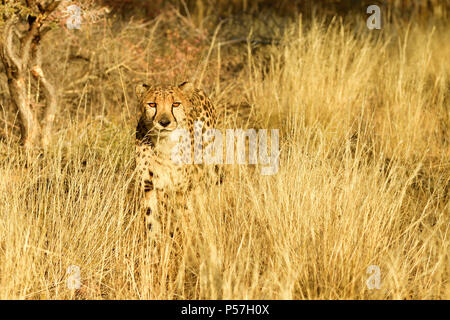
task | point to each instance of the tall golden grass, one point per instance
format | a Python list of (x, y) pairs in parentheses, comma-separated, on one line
[(363, 180)]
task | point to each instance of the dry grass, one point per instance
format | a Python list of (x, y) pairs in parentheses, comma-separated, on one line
[(364, 172)]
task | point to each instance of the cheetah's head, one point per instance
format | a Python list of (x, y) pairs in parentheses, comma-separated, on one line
[(163, 108)]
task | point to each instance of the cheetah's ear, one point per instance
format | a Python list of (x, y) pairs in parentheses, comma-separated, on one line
[(186, 86), (142, 89)]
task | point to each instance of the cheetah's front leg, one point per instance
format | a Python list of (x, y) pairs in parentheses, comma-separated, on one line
[(151, 209), (149, 201)]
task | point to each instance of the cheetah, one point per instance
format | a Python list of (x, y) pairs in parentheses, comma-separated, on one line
[(164, 109)]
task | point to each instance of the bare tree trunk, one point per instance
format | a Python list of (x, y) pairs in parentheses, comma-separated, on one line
[(15, 70), (21, 54), (30, 130), (50, 97)]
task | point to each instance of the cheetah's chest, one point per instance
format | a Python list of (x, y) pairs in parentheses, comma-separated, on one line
[(167, 175)]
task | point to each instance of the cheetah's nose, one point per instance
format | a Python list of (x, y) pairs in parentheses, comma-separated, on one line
[(164, 122)]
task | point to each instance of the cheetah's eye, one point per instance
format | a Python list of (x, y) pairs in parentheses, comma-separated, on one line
[(151, 104), (176, 104)]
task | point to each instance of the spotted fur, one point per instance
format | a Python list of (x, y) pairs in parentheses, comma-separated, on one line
[(164, 109)]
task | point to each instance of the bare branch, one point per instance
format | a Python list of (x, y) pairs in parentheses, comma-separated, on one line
[(50, 97), (8, 45), (51, 7), (26, 43), (34, 32)]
